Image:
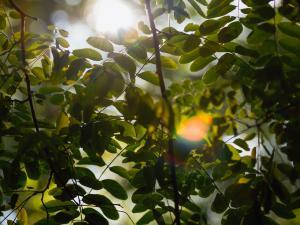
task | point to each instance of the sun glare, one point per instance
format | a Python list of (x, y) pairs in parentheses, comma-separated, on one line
[(195, 128), (109, 16)]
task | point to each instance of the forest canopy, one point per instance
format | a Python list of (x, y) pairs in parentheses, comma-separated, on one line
[(191, 116)]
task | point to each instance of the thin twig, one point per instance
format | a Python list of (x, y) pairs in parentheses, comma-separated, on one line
[(171, 112), (23, 203), (43, 195), (208, 175), (108, 166)]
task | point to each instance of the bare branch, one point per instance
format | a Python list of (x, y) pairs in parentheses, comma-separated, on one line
[(171, 129)]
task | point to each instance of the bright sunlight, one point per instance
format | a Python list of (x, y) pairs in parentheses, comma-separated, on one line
[(108, 16)]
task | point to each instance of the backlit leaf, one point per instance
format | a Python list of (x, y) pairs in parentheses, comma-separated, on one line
[(150, 77), (88, 53), (231, 32), (101, 43)]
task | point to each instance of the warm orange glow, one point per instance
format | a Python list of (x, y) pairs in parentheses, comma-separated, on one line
[(195, 128)]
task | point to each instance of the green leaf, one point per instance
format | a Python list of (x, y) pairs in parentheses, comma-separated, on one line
[(231, 32), (189, 57), (2, 22), (216, 3), (63, 32), (191, 27), (158, 12), (290, 29), (191, 43), (124, 61), (150, 77), (209, 26), (57, 99), (91, 182), (75, 67), (269, 221), (38, 72), (63, 42), (241, 143), (97, 161), (101, 43), (290, 44), (209, 48), (103, 203), (33, 168), (200, 63), (210, 76), (93, 217), (203, 2), (246, 196), (50, 89), (283, 211), (168, 63), (120, 171), (220, 10), (87, 53), (115, 189), (45, 222), (64, 217), (197, 7), (225, 63), (158, 217), (219, 204), (138, 52), (146, 218), (257, 36), (250, 136), (144, 28), (56, 205), (245, 51)]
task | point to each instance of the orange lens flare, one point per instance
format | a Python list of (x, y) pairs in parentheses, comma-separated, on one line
[(195, 128)]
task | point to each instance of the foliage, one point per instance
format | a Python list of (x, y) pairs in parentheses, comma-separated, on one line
[(55, 125)]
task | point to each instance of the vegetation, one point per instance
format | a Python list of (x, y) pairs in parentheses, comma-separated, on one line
[(55, 125)]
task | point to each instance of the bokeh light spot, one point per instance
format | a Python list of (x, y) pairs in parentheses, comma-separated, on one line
[(195, 128)]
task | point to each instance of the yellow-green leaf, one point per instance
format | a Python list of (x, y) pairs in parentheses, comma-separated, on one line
[(150, 77), (88, 53), (101, 43)]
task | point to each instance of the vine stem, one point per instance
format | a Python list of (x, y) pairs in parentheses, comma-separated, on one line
[(171, 112)]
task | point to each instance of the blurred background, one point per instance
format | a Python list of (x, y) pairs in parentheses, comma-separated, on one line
[(84, 18)]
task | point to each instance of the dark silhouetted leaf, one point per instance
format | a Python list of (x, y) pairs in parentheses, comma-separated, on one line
[(231, 32), (115, 189), (93, 217), (104, 204)]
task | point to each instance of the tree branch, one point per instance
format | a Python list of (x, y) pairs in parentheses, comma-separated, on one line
[(23, 57), (19, 10), (171, 112)]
